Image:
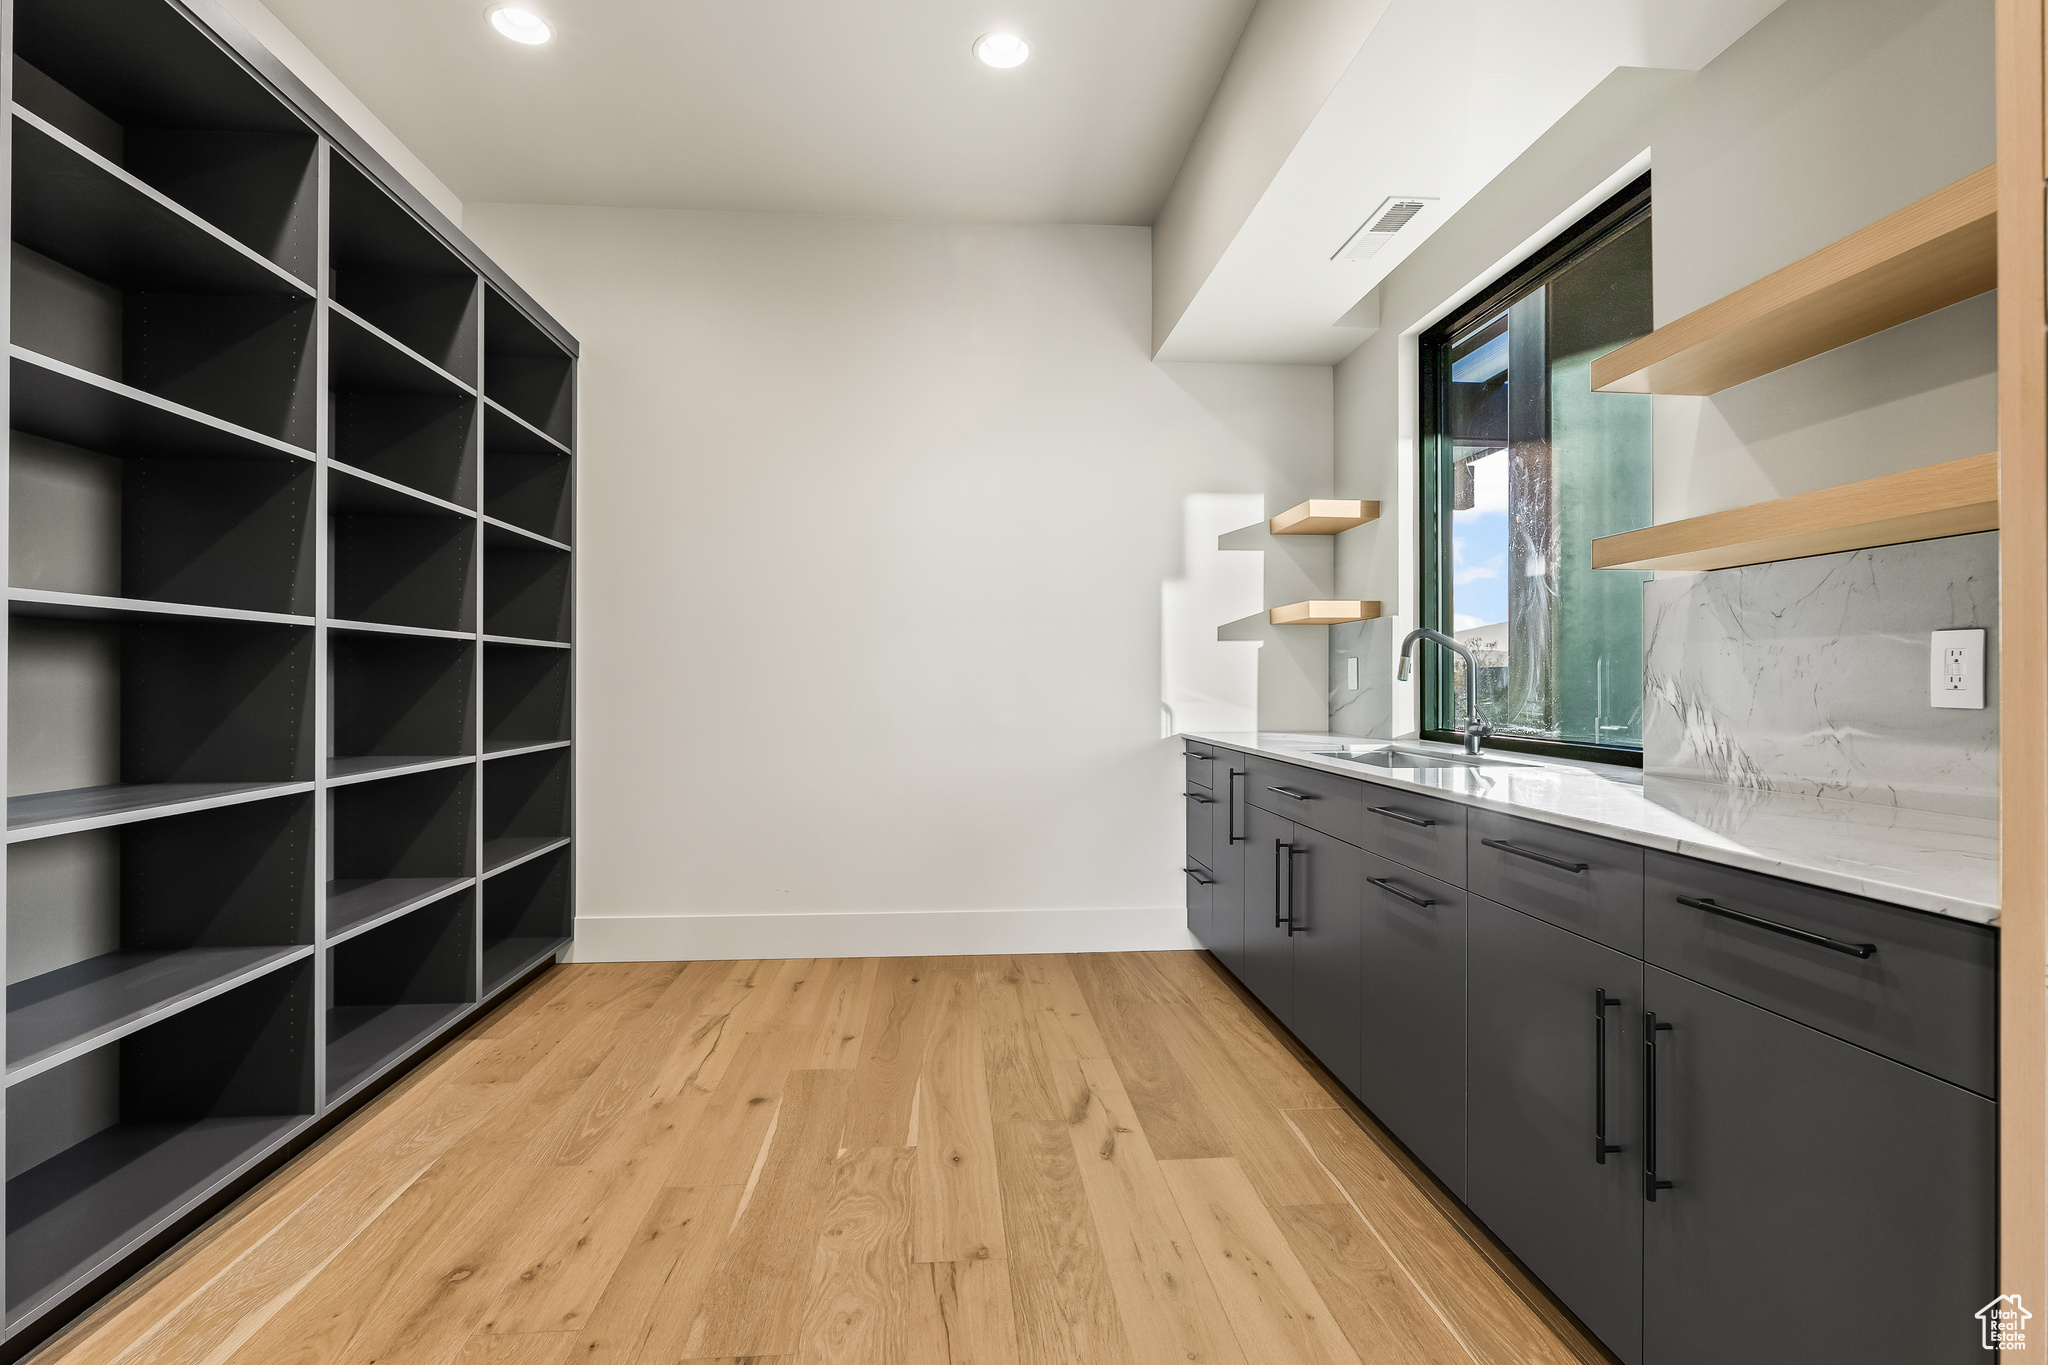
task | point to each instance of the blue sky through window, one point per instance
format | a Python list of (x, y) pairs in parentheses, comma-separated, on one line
[(1479, 543)]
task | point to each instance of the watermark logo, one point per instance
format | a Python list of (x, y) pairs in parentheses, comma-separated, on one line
[(2005, 1323)]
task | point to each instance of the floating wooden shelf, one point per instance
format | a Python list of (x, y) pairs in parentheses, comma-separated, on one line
[(1324, 517), (1323, 613), (1932, 253), (1920, 504)]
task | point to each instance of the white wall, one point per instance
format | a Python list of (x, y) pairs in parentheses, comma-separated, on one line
[(1825, 116), (876, 521), (1290, 57)]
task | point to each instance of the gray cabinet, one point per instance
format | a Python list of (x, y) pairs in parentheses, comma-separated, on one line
[(1825, 1204), (1589, 885), (1411, 1013), (1268, 970), (1792, 1166), (1555, 1096), (1914, 987), (1324, 910), (1227, 838)]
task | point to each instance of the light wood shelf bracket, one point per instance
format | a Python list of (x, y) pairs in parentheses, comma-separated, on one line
[(1932, 253), (1324, 517), (1950, 499), (1323, 613)]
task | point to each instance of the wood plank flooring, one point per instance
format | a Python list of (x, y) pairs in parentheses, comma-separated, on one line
[(1079, 1160)]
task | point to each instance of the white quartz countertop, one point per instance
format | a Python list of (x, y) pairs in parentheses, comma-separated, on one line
[(1944, 864)]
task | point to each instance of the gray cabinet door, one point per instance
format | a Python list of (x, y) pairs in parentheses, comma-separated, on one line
[(1827, 1205), (1412, 1013), (1328, 874), (1268, 954), (1548, 1008), (1227, 842)]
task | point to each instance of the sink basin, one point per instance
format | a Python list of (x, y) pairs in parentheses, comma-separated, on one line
[(1410, 758)]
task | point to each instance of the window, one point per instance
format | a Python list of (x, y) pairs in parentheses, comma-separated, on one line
[(1523, 465)]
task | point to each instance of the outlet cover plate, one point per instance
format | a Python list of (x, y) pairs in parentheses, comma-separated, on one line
[(1955, 672)]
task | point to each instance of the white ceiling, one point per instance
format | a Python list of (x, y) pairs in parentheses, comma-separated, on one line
[(1404, 120), (805, 106)]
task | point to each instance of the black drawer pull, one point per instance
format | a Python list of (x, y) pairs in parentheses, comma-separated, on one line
[(1291, 794), (1200, 880), (1293, 851), (1601, 1146), (1201, 758), (1402, 816), (1651, 1184), (1533, 856), (1385, 884), (1200, 800), (1283, 882), (1818, 940)]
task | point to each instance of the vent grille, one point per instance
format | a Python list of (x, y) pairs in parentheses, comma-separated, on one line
[(1381, 224)]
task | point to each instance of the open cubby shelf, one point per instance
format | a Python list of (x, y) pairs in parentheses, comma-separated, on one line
[(79, 209), (53, 1016), (363, 358), (526, 914), (396, 984), (108, 1146), (289, 636), (64, 403), (526, 373)]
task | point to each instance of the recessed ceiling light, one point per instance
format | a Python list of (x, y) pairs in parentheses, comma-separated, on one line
[(521, 26), (1002, 49)]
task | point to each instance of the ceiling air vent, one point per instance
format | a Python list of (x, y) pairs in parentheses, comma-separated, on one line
[(1379, 228)]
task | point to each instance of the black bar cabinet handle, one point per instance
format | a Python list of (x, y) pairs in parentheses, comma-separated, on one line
[(1818, 940), (1386, 884), (1283, 872), (1200, 800), (1293, 852), (1531, 854), (1230, 806), (1651, 1184), (1601, 1146), (1204, 758), (1200, 880), (1402, 816), (1291, 794)]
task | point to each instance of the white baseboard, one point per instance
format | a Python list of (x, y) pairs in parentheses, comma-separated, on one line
[(877, 933)]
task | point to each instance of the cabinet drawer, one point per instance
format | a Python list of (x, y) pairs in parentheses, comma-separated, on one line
[(1201, 825), (1323, 801), (1201, 763), (1201, 899), (1908, 985), (1588, 885), (1421, 831)]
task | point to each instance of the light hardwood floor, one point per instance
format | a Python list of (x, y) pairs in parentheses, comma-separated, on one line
[(1005, 1161)]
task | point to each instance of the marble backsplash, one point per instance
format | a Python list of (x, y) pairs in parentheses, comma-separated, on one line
[(1368, 709), (1810, 676)]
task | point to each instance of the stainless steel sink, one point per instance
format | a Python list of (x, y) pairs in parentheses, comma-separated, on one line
[(1391, 757)]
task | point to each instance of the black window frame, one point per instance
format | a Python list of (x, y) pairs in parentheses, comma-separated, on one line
[(1435, 697)]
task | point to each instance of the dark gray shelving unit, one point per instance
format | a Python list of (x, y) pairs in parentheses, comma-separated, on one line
[(290, 650)]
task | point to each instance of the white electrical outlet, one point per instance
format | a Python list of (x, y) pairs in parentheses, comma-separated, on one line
[(1955, 677), (1351, 671)]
